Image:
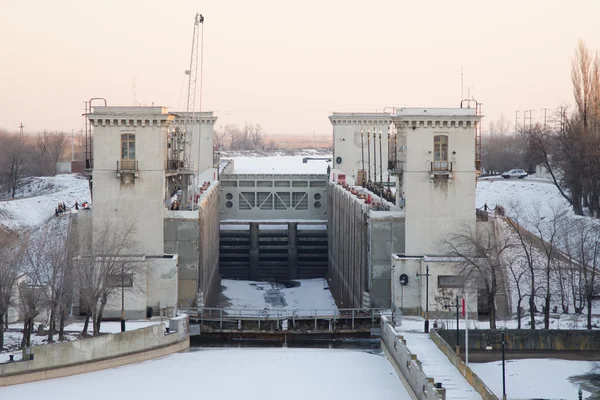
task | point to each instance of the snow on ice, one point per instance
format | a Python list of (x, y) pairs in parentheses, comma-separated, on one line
[(535, 378), (282, 373), (304, 296)]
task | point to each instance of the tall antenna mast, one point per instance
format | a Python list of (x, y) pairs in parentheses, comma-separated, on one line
[(461, 84), (190, 110)]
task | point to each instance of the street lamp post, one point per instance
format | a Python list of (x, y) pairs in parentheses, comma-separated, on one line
[(457, 321), (426, 275), (122, 299), (503, 343)]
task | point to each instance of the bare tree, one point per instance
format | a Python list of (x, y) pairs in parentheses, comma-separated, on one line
[(478, 252), (585, 77), (500, 126), (9, 270), (56, 148), (520, 278), (46, 257), (16, 162), (527, 244), (583, 247), (548, 230), (102, 273)]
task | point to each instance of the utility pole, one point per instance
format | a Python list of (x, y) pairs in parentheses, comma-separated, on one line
[(544, 110), (530, 111), (21, 131), (516, 123), (72, 145)]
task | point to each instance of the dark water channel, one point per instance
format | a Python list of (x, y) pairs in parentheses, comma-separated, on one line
[(358, 344)]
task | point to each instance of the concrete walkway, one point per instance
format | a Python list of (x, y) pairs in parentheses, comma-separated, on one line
[(436, 365)]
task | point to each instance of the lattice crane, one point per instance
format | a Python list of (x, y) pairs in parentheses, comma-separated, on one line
[(192, 84)]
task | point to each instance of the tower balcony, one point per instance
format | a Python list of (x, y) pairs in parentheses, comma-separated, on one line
[(126, 168), (395, 166), (441, 167)]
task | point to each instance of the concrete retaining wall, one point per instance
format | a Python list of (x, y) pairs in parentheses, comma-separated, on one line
[(99, 352), (529, 339), (209, 227), (470, 376), (408, 365)]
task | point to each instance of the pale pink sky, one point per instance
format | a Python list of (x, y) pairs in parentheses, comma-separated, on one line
[(288, 65)]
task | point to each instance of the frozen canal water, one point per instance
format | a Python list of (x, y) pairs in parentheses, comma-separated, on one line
[(258, 373)]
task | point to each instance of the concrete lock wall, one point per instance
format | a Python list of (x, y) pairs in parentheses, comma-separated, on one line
[(407, 365), (209, 227), (470, 376), (194, 237), (96, 353), (347, 248), (360, 244), (529, 339), (181, 238)]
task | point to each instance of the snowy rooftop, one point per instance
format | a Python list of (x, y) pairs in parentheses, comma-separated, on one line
[(119, 110), (446, 112), (278, 165)]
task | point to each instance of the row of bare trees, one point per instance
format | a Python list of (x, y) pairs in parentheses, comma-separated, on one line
[(536, 257), (570, 148), (249, 137), (41, 278), (502, 150), (22, 156)]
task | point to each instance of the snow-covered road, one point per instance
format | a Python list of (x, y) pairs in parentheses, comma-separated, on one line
[(282, 373)]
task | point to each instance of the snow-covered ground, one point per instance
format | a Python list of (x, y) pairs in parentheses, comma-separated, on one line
[(535, 378), (305, 297), (115, 326), (40, 197), (233, 374), (278, 165), (12, 342)]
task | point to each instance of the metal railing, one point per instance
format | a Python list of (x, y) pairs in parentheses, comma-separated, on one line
[(396, 165), (222, 315), (127, 165), (179, 165), (441, 166), (481, 215)]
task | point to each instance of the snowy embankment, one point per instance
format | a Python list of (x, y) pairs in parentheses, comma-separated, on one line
[(44, 195), (234, 373), (303, 297), (13, 337)]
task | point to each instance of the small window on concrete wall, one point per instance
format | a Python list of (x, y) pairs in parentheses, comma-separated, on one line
[(119, 280), (451, 281)]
